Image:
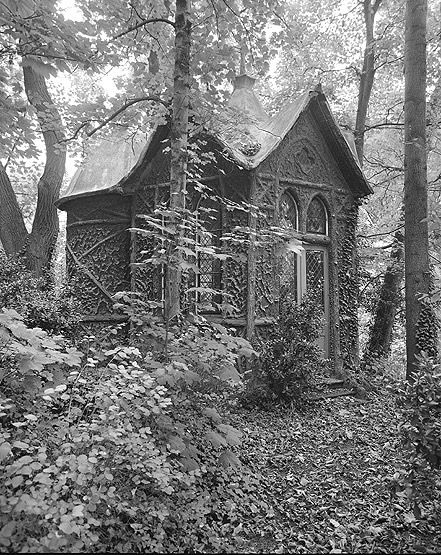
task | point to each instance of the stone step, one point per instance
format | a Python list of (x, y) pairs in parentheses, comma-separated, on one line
[(331, 388), (331, 394), (332, 383)]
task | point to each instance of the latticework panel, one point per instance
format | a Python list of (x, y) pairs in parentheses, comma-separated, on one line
[(289, 276), (315, 273)]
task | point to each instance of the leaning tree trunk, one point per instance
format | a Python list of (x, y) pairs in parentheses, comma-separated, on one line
[(420, 331), (44, 232), (178, 147), (380, 333), (13, 233), (367, 75)]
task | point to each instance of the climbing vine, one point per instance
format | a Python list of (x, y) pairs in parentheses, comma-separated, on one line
[(348, 288)]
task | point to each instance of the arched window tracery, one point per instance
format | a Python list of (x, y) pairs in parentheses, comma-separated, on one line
[(317, 217)]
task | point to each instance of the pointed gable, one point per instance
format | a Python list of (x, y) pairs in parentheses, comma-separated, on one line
[(250, 144), (303, 154)]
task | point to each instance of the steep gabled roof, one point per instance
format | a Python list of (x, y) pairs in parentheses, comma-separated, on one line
[(249, 141), (246, 144)]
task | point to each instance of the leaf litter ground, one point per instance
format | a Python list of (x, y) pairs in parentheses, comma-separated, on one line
[(328, 479)]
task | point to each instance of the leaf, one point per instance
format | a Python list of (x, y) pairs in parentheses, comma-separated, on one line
[(31, 417), (233, 436), (176, 443), (216, 439), (17, 481), (213, 414), (31, 383), (189, 464), (8, 529), (189, 376), (334, 523), (228, 458), (78, 510), (66, 527), (5, 449), (229, 372)]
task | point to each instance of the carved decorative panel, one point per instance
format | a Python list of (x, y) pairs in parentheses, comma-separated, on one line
[(98, 256), (303, 154), (266, 291), (266, 192), (147, 278)]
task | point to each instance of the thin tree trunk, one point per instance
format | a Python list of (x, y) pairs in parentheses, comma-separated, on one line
[(367, 75), (44, 232), (178, 146), (13, 233), (417, 270)]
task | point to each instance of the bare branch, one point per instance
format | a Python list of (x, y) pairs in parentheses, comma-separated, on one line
[(386, 124), (126, 105)]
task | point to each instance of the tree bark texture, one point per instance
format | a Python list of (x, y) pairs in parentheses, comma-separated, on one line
[(367, 75), (44, 232), (417, 270), (13, 232), (178, 147)]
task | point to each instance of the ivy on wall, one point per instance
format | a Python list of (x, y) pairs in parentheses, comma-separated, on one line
[(348, 290)]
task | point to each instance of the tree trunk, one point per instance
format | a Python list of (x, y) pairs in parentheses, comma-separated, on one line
[(178, 147), (44, 232), (367, 75), (417, 270), (13, 233), (380, 334)]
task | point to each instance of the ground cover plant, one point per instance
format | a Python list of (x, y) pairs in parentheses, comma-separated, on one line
[(118, 450)]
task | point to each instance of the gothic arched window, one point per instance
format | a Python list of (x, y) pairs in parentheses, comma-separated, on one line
[(317, 217)]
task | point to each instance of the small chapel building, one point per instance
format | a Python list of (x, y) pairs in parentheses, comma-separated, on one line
[(300, 170)]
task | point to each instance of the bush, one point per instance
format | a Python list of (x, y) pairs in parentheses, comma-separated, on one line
[(39, 302), (125, 451), (420, 425), (289, 357), (421, 410)]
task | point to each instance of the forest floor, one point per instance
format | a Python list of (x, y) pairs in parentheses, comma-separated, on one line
[(329, 475)]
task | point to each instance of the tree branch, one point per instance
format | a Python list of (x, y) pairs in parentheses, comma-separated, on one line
[(141, 24), (127, 104)]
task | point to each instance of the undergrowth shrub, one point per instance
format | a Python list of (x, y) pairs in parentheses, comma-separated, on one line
[(38, 300), (380, 372), (122, 449), (289, 357), (420, 403)]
